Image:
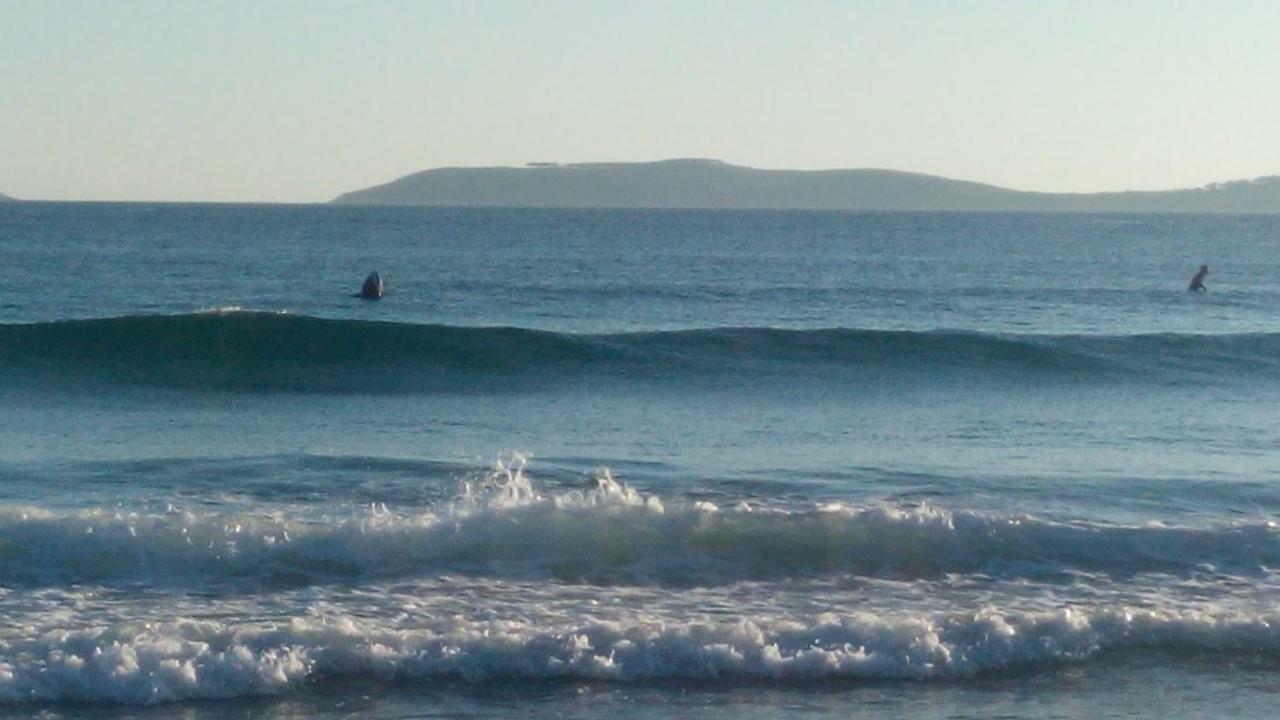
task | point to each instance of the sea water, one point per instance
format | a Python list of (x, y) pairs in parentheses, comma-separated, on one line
[(660, 463)]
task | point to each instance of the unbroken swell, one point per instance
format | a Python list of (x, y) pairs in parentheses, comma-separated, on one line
[(262, 351)]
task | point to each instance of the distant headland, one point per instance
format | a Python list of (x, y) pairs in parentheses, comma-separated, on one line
[(712, 184), (6, 198)]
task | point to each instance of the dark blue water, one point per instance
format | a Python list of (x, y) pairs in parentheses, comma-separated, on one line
[(689, 464)]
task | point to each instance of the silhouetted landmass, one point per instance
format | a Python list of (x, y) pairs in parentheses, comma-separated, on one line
[(6, 198), (714, 184)]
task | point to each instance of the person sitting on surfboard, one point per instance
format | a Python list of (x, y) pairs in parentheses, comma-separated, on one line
[(1197, 281), (372, 288)]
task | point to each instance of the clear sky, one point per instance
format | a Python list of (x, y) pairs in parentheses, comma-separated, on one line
[(302, 100)]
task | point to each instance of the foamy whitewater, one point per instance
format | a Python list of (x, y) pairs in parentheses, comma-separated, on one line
[(665, 464)]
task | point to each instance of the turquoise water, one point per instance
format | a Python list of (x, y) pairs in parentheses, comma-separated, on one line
[(673, 464)]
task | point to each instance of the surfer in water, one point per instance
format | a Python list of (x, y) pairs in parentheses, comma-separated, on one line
[(372, 288), (1197, 280)]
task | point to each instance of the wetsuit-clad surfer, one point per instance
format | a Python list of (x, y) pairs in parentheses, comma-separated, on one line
[(1197, 281), (372, 288)]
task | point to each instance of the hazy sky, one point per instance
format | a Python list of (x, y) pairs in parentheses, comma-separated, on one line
[(301, 101)]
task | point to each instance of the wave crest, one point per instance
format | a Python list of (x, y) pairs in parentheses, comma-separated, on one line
[(185, 659), (606, 533), (241, 350)]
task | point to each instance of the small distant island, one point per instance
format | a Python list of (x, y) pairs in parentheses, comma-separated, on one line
[(712, 184)]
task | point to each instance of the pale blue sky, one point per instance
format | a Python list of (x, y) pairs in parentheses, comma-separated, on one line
[(303, 100)]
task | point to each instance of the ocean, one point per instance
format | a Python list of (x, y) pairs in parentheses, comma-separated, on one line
[(664, 464)]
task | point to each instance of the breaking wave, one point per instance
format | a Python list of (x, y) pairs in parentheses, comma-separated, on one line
[(502, 526), (180, 659)]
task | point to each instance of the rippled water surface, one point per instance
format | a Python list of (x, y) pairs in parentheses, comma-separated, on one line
[(669, 464)]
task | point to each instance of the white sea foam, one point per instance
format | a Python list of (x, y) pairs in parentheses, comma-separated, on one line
[(608, 532), (181, 659)]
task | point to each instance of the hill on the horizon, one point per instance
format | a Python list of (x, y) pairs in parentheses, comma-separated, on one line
[(6, 198), (711, 184)]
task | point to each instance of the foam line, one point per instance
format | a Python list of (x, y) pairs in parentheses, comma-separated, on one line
[(502, 525)]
